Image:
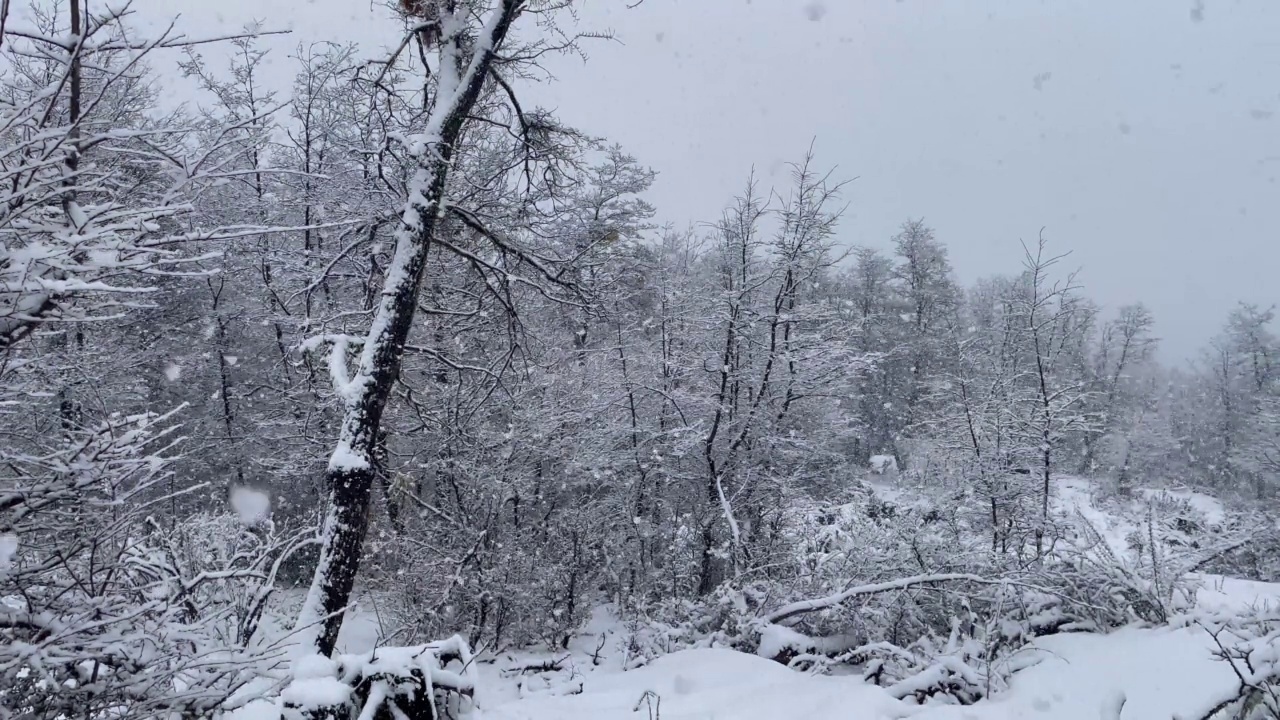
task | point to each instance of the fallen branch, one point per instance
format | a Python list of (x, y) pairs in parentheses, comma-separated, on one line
[(808, 606), (536, 666)]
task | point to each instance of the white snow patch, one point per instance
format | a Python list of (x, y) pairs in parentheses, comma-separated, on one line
[(255, 710), (1159, 673), (1218, 593), (708, 683), (344, 458), (314, 693), (882, 464), (172, 372), (314, 666)]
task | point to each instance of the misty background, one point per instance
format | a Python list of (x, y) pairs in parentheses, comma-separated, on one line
[(1141, 136)]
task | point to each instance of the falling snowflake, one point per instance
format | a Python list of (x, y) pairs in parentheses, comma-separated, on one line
[(8, 548), (815, 11), (253, 506)]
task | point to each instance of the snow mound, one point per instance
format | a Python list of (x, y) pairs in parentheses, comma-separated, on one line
[(1212, 508), (1132, 673), (1225, 594), (310, 694), (708, 683)]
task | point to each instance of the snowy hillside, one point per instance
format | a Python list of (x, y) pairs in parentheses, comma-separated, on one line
[(1136, 673)]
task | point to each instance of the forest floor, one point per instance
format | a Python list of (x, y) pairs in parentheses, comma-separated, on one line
[(1149, 674), (1132, 674)]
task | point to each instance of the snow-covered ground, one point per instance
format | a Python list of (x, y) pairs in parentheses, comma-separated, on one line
[(1078, 495), (1233, 594), (706, 684), (1147, 674), (1132, 674)]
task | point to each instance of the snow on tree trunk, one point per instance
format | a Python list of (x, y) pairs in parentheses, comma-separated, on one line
[(463, 69)]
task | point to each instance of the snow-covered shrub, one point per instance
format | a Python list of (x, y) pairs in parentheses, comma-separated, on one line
[(867, 538), (1176, 522), (970, 662), (1257, 558), (423, 682), (1250, 643), (1189, 531), (107, 609), (1110, 590), (240, 559), (961, 668), (556, 675), (907, 591), (727, 618), (1248, 546), (499, 584), (871, 539)]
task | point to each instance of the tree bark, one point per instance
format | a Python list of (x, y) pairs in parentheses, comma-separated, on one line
[(351, 469)]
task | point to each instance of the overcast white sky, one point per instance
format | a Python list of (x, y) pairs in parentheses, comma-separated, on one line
[(1143, 135)]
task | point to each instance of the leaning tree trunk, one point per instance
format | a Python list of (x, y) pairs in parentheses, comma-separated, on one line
[(350, 474)]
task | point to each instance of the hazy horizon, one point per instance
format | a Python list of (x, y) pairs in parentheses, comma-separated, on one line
[(1154, 163)]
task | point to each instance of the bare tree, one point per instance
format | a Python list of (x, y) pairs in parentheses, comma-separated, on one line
[(1125, 343), (97, 212), (468, 40), (1054, 317)]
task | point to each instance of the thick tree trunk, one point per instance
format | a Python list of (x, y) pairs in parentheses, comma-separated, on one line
[(350, 475)]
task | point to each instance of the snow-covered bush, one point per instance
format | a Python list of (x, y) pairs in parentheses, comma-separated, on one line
[(1258, 558), (1114, 590), (108, 609), (1250, 644), (727, 618), (421, 682), (500, 585), (1246, 545), (906, 591)]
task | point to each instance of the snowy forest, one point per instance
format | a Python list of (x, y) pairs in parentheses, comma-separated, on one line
[(394, 396)]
